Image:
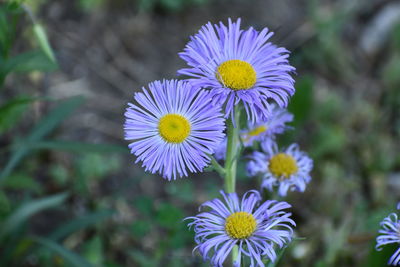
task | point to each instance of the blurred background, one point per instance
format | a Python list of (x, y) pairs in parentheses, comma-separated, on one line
[(70, 193)]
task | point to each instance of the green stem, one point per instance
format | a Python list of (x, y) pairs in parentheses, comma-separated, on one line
[(217, 167), (232, 150), (235, 252), (231, 153)]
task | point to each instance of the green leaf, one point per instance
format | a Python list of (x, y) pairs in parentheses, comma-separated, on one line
[(391, 71), (20, 181), (146, 5), (60, 174), (140, 229), (14, 6), (172, 5), (183, 190), (8, 19), (112, 264), (41, 36), (79, 223), (43, 128), (96, 166), (71, 257), (169, 216), (93, 250), (179, 237), (328, 140), (301, 103), (89, 5), (4, 203), (380, 258), (143, 259), (11, 111), (27, 62), (56, 116), (144, 204), (395, 36), (26, 210), (12, 163), (78, 147), (22, 248)]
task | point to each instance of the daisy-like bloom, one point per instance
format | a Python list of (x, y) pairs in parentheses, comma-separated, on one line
[(288, 169), (390, 233), (255, 229), (276, 124), (173, 127), (239, 66)]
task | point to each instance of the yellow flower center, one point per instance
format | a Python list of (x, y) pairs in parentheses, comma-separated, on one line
[(174, 128), (257, 131), (240, 225), (236, 74), (283, 165)]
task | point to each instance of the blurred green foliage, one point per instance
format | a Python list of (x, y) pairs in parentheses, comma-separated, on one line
[(22, 196), (143, 6), (168, 5), (39, 59)]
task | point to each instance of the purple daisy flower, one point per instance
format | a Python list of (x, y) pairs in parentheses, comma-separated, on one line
[(289, 169), (255, 230), (173, 128), (260, 131), (269, 128), (390, 233), (239, 66)]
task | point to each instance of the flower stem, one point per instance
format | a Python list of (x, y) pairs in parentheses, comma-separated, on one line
[(231, 152), (217, 167), (235, 252), (231, 158)]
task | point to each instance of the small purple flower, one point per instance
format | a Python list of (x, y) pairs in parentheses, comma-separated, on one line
[(289, 169), (173, 128), (390, 233), (254, 228), (276, 124), (239, 66)]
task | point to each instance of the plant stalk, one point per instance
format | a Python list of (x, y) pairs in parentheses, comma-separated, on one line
[(232, 150)]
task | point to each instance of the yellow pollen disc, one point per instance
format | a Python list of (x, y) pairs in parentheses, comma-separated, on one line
[(240, 225), (283, 165), (236, 74), (174, 128), (257, 131)]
